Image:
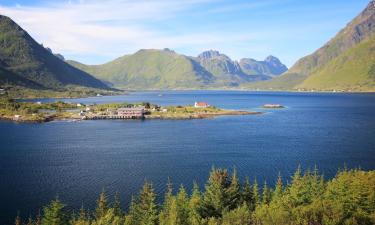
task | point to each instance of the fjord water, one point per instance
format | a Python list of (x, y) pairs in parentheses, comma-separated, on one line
[(76, 160)]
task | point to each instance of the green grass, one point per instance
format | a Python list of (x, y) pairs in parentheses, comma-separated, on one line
[(354, 69), (26, 63), (155, 69)]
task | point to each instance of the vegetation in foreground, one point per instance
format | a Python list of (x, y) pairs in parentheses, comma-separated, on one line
[(348, 198)]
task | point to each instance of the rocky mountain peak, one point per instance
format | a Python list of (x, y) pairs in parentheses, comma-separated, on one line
[(209, 54), (272, 59)]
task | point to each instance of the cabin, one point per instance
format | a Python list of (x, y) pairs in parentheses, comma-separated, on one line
[(201, 105), (138, 112)]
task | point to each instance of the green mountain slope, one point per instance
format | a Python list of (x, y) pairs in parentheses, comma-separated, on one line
[(354, 69), (24, 62), (165, 69), (357, 31), (151, 69)]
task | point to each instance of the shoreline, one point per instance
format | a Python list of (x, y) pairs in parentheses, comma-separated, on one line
[(146, 117)]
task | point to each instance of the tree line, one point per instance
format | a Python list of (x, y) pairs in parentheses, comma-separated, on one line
[(308, 199)]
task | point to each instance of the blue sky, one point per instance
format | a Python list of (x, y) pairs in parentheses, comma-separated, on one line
[(96, 31)]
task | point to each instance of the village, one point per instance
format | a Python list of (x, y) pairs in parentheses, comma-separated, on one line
[(49, 111), (143, 110)]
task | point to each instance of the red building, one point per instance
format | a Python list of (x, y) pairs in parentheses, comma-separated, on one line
[(201, 105), (131, 112)]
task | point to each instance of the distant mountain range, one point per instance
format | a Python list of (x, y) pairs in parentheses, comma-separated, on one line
[(166, 69), (346, 62), (25, 63)]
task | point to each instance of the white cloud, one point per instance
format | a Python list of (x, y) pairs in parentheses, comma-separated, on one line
[(95, 30), (112, 27)]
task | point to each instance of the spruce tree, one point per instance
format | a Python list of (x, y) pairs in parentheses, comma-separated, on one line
[(182, 202), (279, 188), (168, 214), (256, 196), (102, 205), (117, 205), (195, 206), (247, 195), (145, 209), (266, 195), (233, 192), (82, 219), (55, 214), (215, 196)]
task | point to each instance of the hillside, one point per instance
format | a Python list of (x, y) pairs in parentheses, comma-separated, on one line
[(354, 69), (166, 69), (25, 63), (326, 68), (151, 69)]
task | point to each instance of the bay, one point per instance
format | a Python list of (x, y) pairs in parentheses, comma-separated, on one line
[(77, 160)]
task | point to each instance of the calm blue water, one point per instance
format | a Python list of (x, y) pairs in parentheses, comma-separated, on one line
[(76, 160)]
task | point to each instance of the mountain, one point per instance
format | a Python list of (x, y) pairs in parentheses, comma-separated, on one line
[(346, 62), (166, 69), (151, 69), (226, 71), (25, 63), (271, 66)]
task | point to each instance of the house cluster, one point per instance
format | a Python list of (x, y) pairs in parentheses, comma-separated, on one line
[(120, 113)]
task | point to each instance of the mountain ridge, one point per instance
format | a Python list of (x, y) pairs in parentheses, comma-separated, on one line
[(210, 69), (361, 28), (26, 63)]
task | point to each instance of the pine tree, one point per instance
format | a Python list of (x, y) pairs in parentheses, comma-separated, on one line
[(297, 188), (144, 209), (168, 214), (182, 202), (266, 195), (55, 214), (195, 206), (247, 195), (256, 196), (238, 216), (102, 205), (279, 188), (233, 192), (117, 205), (82, 219), (130, 218), (215, 198)]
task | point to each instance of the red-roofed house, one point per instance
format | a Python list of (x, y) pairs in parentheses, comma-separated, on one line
[(201, 105)]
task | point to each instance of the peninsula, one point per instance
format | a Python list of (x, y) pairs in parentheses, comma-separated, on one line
[(44, 112)]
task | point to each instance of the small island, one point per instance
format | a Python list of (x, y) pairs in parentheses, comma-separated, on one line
[(273, 106), (44, 112)]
